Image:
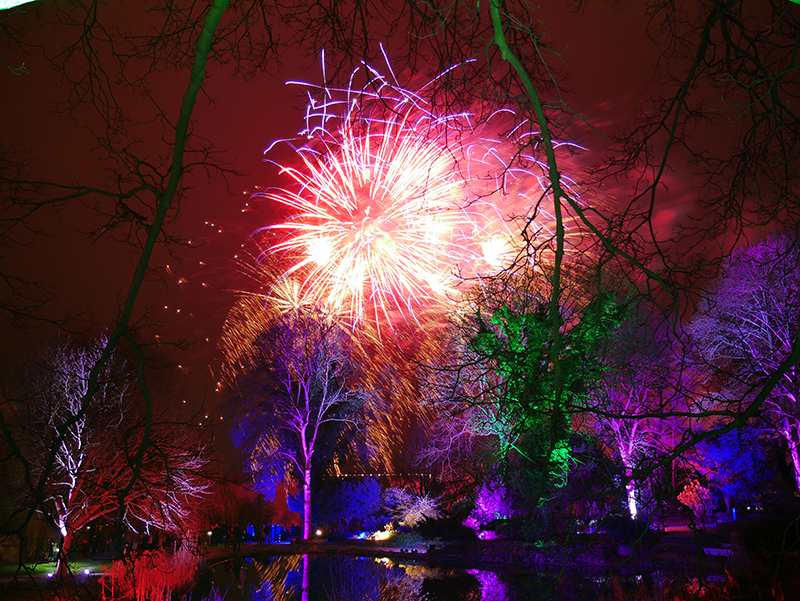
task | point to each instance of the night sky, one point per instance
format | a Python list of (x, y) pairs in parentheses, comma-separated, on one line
[(605, 51)]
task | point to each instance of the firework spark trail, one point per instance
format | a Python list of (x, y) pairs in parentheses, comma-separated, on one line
[(395, 205)]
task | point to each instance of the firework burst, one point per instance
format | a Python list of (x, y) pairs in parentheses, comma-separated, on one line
[(394, 205), (375, 218)]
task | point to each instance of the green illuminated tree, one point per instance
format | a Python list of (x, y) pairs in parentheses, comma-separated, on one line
[(503, 393)]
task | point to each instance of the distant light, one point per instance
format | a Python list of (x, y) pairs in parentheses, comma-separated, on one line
[(86, 571), (49, 574), (319, 532), (209, 532), (6, 4)]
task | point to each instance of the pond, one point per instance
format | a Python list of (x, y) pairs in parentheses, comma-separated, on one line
[(344, 578)]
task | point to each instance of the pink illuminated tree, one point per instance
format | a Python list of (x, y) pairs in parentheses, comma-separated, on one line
[(298, 394), (623, 402), (72, 435), (745, 330)]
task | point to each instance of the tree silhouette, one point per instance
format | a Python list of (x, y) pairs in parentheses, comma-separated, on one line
[(131, 205)]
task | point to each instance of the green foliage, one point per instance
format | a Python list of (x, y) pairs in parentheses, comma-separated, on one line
[(532, 397)]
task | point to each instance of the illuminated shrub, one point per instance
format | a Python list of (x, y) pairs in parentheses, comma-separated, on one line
[(697, 498), (408, 508), (151, 576), (492, 504)]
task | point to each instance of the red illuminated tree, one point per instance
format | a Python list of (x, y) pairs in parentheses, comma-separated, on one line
[(80, 451), (297, 393), (146, 145)]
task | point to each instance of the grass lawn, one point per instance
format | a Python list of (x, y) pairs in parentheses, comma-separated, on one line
[(77, 567)]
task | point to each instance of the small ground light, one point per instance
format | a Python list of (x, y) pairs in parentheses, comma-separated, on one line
[(86, 571), (319, 532), (49, 574)]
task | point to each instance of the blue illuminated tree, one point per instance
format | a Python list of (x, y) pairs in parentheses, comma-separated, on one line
[(352, 501), (736, 463), (296, 394)]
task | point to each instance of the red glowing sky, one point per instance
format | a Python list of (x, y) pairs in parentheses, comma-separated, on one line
[(605, 50)]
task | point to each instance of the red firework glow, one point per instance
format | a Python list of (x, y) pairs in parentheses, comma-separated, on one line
[(395, 205)]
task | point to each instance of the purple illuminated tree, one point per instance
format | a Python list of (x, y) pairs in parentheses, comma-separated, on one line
[(631, 390), (297, 393), (745, 330)]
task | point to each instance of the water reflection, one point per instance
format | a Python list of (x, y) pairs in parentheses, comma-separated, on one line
[(342, 578)]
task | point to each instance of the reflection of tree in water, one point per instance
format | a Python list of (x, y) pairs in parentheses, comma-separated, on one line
[(492, 588), (452, 585), (280, 579), (346, 579), (404, 582), (365, 579)]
